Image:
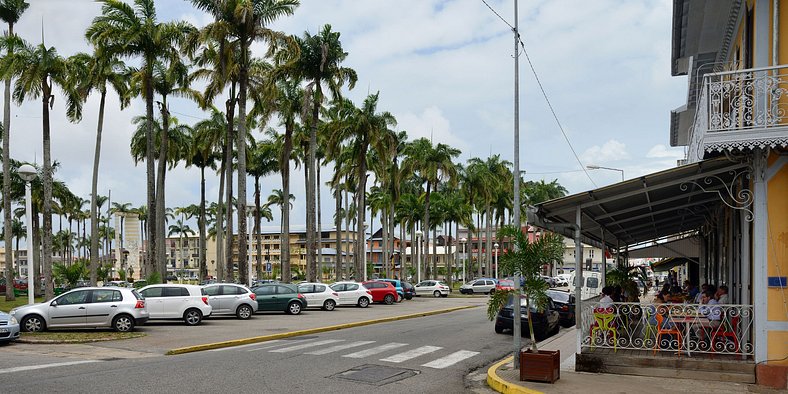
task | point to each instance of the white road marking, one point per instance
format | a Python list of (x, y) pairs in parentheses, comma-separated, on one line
[(42, 366), (268, 345), (398, 358), (232, 347), (375, 350), (305, 345), (343, 346), (450, 360)]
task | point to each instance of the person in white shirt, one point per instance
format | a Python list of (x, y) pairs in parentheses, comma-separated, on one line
[(606, 301), (722, 295)]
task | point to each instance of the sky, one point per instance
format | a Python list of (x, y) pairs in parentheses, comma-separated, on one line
[(444, 69)]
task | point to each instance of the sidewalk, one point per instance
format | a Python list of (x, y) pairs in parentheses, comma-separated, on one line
[(503, 378)]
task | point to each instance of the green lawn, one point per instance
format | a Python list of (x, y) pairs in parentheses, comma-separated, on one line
[(6, 306)]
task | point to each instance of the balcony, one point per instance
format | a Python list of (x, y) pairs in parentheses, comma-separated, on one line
[(738, 110)]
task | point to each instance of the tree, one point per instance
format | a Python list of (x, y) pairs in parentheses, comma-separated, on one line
[(262, 162), (527, 258), (10, 12), (131, 31), (98, 72), (181, 229)]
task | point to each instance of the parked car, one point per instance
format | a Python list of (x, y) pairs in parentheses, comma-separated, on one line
[(260, 282), (564, 303), (231, 299), (397, 286), (173, 301), (118, 283), (408, 290), (481, 285), (433, 288), (549, 280), (545, 323), (503, 284), (283, 297), (9, 328), (352, 293), (319, 295), (85, 307), (381, 291), (561, 281)]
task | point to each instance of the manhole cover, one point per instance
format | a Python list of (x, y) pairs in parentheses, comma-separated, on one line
[(376, 375)]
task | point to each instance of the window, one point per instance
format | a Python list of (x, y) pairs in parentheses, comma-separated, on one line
[(232, 290), (265, 290), (306, 289), (320, 288), (77, 297), (592, 282), (478, 283), (176, 292), (284, 290), (338, 287), (103, 296), (152, 292), (211, 290), (351, 286), (489, 283)]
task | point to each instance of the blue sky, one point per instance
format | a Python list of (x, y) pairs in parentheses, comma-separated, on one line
[(444, 69)]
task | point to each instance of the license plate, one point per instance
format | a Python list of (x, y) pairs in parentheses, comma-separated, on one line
[(3, 330)]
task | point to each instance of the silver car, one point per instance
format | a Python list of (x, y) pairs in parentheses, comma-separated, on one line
[(231, 299), (86, 307), (9, 328)]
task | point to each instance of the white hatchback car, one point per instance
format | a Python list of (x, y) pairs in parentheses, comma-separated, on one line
[(232, 299), (174, 301), (352, 293), (433, 288), (319, 295)]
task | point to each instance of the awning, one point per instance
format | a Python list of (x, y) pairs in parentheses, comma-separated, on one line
[(670, 263), (684, 247), (655, 206)]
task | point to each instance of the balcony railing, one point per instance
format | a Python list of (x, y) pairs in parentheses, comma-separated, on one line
[(684, 328), (741, 109)]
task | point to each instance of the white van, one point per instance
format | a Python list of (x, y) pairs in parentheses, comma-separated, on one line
[(592, 286)]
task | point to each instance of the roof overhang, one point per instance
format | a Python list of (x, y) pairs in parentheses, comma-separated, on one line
[(670, 263), (644, 209), (687, 247)]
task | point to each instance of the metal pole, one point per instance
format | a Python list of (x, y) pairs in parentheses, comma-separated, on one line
[(579, 280), (516, 204), (464, 262), (418, 258), (31, 280)]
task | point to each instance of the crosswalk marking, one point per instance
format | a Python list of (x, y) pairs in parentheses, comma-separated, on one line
[(232, 347), (343, 346), (450, 360), (398, 358), (305, 345), (270, 344), (375, 350), (42, 366)]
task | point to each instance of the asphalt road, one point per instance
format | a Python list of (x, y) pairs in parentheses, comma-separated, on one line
[(422, 355)]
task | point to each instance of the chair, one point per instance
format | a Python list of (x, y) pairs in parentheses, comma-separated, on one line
[(729, 332), (648, 328), (666, 331), (602, 323)]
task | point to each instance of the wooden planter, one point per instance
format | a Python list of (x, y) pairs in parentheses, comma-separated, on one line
[(544, 366)]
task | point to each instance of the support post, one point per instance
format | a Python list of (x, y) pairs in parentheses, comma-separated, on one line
[(579, 281), (759, 253)]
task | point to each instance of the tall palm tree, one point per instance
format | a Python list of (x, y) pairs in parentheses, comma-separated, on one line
[(134, 31), (39, 69), (98, 72), (319, 63), (181, 229), (10, 12), (263, 161)]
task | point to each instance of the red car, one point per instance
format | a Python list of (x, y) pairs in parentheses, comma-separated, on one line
[(381, 291), (504, 284)]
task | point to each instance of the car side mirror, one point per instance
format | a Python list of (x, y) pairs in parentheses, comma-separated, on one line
[(53, 303)]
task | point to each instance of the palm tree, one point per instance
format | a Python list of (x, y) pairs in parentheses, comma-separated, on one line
[(38, 70), (319, 63), (181, 229), (19, 230), (10, 12), (131, 31), (262, 162), (98, 72), (121, 209), (202, 153)]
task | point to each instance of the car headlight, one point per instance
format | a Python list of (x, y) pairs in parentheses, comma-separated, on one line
[(13, 321)]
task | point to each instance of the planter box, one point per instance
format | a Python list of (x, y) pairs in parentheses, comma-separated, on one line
[(544, 366)]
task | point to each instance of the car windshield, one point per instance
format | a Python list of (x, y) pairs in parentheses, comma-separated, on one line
[(510, 304), (506, 283)]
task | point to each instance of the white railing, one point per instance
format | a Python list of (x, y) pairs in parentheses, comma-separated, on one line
[(683, 328)]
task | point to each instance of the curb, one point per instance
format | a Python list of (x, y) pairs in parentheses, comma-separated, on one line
[(263, 338), (498, 384), (72, 341)]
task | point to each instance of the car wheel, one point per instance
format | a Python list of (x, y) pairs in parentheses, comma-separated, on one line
[(244, 312), (123, 323), (192, 317), (436, 294), (33, 323), (498, 330), (388, 299), (294, 308), (363, 302), (556, 329), (408, 297), (329, 305), (492, 291)]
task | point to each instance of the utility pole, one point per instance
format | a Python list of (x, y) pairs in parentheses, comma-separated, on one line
[(516, 323)]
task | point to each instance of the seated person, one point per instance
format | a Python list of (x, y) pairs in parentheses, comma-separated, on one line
[(692, 291), (722, 295), (703, 289), (606, 302), (654, 309)]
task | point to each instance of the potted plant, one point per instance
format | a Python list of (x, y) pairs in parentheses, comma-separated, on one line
[(527, 258)]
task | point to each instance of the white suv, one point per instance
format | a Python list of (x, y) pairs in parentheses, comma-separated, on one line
[(173, 301)]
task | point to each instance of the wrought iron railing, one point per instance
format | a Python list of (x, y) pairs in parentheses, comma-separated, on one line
[(683, 328)]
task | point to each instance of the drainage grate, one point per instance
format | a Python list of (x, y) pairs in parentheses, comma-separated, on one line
[(376, 375)]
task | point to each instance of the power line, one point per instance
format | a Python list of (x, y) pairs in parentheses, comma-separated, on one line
[(544, 94)]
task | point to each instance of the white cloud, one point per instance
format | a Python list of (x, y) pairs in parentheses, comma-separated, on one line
[(611, 150), (660, 151)]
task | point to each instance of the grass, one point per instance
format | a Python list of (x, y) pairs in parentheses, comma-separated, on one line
[(79, 336), (6, 306)]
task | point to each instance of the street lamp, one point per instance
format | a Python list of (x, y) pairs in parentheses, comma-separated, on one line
[(28, 173), (496, 246), (596, 167), (465, 259), (418, 258)]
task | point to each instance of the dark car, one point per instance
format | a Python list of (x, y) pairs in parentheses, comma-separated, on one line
[(545, 323), (279, 297), (564, 303), (408, 290)]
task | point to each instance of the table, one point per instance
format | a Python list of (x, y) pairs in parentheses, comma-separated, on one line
[(686, 321)]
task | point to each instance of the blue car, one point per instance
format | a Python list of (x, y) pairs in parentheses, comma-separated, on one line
[(9, 328), (398, 286)]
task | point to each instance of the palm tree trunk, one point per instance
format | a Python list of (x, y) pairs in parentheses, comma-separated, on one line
[(346, 258), (203, 266), (435, 253), (338, 224), (228, 167), (7, 232), (152, 219), (449, 256), (243, 262), (36, 258), (426, 227), (319, 229), (161, 262), (258, 246), (220, 223), (284, 240), (310, 189), (488, 247), (49, 291), (479, 243)]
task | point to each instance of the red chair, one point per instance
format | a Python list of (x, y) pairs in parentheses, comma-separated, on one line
[(729, 332), (666, 331)]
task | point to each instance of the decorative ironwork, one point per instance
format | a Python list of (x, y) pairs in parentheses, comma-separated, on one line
[(730, 195), (686, 328)]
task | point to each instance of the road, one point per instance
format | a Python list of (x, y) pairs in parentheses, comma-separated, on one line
[(428, 354)]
